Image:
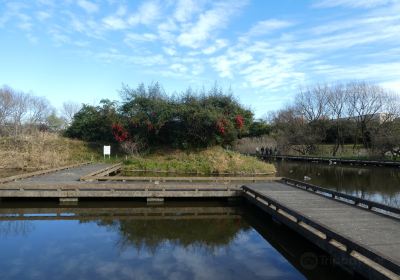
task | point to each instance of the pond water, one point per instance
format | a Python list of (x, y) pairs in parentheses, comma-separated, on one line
[(380, 184), (129, 240)]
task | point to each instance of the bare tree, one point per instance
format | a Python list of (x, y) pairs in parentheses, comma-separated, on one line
[(19, 110), (339, 112), (337, 99), (294, 132), (6, 102), (385, 134), (365, 102), (312, 102), (69, 109), (38, 110)]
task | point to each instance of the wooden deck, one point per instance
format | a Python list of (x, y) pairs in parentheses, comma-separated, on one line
[(367, 241), (362, 235), (94, 181)]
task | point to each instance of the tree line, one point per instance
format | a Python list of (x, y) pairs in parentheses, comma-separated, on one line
[(149, 117), (357, 113), (22, 112)]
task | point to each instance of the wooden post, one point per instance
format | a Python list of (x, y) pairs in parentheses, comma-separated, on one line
[(69, 200), (155, 200)]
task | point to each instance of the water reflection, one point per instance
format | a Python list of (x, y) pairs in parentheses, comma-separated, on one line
[(380, 184), (14, 228), (134, 241)]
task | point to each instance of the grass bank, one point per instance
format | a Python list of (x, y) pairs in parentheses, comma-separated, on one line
[(43, 150), (215, 160)]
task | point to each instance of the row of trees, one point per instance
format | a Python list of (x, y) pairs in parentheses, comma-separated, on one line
[(355, 112), (147, 116), (21, 112)]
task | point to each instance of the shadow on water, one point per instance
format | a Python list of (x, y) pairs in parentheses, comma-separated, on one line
[(380, 184), (126, 240)]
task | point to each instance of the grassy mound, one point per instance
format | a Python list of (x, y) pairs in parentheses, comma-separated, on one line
[(208, 161), (42, 151)]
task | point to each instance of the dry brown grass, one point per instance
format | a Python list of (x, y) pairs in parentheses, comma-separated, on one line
[(42, 150)]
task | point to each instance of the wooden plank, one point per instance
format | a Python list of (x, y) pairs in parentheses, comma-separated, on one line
[(371, 233), (102, 172), (187, 179), (38, 173)]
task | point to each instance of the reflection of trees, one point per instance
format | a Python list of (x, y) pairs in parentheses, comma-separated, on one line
[(150, 234), (381, 184), (15, 228)]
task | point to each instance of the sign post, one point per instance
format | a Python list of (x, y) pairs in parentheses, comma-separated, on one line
[(107, 151)]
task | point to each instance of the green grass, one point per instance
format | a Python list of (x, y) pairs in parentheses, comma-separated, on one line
[(208, 161)]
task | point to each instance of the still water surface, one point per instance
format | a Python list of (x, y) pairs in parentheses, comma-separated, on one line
[(380, 184), (129, 240)]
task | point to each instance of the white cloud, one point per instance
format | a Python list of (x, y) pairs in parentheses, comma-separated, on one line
[(268, 26), (132, 38), (24, 22), (166, 31), (147, 13), (208, 23), (185, 9), (33, 39), (114, 23), (114, 56), (180, 68), (169, 50), (352, 3), (42, 15), (223, 64), (88, 6), (197, 69), (58, 37), (219, 44), (121, 11), (393, 85)]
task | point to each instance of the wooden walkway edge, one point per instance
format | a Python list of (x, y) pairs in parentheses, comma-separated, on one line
[(334, 160), (40, 172), (360, 234), (361, 239)]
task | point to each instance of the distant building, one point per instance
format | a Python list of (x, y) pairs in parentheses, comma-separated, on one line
[(379, 117)]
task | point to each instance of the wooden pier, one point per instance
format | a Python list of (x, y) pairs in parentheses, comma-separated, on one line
[(359, 234), (333, 160), (94, 181)]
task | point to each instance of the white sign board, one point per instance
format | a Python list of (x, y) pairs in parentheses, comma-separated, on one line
[(107, 151)]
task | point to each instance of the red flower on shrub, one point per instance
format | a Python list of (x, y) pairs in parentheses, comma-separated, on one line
[(150, 126), (221, 126), (120, 134), (239, 120)]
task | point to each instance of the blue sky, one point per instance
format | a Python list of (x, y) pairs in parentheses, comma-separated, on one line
[(84, 50)]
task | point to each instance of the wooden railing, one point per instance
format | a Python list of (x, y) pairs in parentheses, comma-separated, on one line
[(324, 233)]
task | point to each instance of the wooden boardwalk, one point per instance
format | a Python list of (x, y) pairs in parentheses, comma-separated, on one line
[(364, 236), (334, 160), (93, 181), (365, 240)]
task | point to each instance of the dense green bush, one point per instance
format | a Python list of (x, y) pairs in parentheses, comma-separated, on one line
[(150, 116), (94, 123)]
